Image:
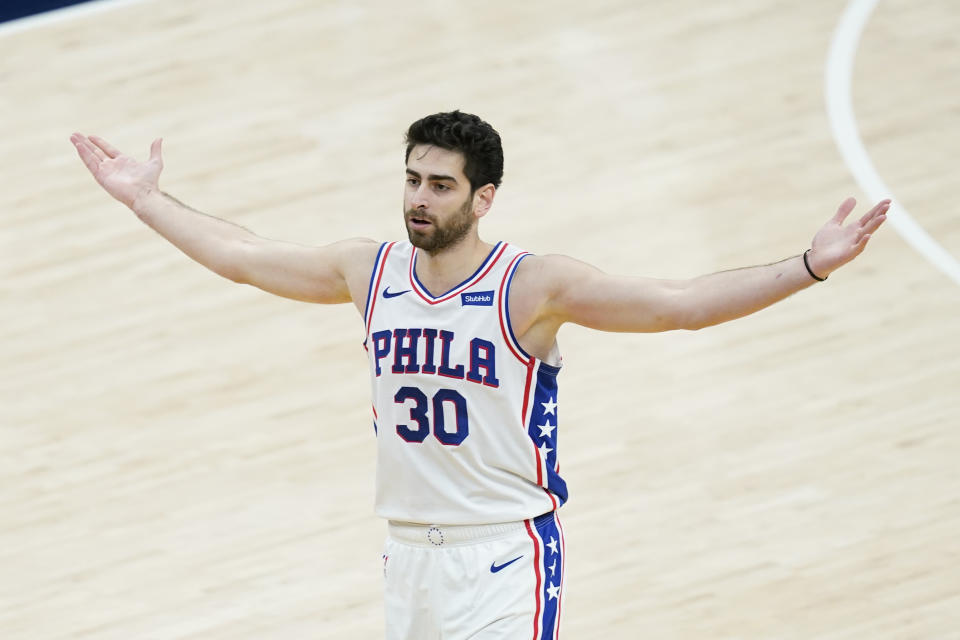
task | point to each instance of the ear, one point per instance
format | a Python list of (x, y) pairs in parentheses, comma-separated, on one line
[(483, 199)]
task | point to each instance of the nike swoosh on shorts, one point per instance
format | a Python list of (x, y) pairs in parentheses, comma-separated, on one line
[(494, 567)]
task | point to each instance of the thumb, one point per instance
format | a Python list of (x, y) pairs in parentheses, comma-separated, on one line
[(155, 151)]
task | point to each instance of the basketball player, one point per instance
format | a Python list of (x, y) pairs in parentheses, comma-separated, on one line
[(461, 339)]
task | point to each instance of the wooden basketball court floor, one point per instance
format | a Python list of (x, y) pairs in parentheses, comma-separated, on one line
[(183, 457)]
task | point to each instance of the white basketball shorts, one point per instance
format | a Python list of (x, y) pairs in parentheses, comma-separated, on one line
[(499, 581)]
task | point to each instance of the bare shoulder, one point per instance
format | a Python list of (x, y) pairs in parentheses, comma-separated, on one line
[(356, 254), (570, 290), (537, 289), (527, 279), (547, 277), (536, 300), (355, 258)]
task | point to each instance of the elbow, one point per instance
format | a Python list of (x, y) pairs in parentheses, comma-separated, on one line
[(682, 311), (236, 277), (689, 326), (697, 319), (696, 322)]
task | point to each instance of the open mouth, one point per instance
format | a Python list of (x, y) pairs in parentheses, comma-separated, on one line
[(419, 223)]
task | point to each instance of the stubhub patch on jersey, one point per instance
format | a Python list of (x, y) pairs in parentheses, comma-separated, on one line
[(477, 299)]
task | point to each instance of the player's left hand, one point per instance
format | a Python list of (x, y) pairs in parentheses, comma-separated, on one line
[(835, 244)]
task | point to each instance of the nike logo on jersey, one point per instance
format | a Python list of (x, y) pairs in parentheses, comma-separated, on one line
[(388, 294), (495, 567)]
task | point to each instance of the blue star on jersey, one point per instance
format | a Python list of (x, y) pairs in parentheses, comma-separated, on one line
[(542, 427)]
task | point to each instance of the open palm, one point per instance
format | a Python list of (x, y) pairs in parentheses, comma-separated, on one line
[(121, 176), (834, 245)]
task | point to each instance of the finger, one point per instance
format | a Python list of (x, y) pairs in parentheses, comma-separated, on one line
[(874, 224), (844, 210), (861, 244), (879, 209), (88, 157), (155, 152), (92, 148), (107, 148), (77, 140)]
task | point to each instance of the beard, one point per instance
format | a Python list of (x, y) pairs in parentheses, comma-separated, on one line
[(438, 236)]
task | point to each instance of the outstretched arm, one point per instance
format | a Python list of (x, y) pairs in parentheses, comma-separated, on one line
[(579, 293), (313, 274)]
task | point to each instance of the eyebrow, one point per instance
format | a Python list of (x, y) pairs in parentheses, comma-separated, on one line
[(432, 177)]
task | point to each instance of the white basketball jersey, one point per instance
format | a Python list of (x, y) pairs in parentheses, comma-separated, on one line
[(465, 419)]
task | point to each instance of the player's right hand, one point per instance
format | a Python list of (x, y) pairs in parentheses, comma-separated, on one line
[(120, 175)]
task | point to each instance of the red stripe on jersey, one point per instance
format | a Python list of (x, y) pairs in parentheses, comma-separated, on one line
[(502, 307), (524, 422), (459, 289), (376, 287), (550, 495), (526, 394), (536, 567)]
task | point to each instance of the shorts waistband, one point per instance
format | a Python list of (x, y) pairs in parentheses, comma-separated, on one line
[(438, 535)]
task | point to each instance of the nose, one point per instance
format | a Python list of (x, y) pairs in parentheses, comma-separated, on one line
[(419, 198)]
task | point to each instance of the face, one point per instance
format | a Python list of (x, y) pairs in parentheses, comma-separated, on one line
[(439, 207)]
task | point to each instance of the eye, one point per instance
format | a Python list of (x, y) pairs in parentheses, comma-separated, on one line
[(413, 182), (442, 187)]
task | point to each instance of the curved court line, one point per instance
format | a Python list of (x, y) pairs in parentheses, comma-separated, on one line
[(839, 83)]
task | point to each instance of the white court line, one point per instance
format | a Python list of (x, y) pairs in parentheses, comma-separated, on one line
[(61, 15), (839, 82)]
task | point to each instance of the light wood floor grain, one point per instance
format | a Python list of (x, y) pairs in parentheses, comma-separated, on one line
[(185, 458)]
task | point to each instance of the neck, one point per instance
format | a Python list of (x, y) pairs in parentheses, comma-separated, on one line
[(446, 269)]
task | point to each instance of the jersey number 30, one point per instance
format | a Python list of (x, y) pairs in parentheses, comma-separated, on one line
[(419, 415)]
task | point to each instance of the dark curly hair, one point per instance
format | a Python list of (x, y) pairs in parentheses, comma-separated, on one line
[(464, 132)]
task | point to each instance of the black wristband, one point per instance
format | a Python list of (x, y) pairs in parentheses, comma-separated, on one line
[(809, 270)]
